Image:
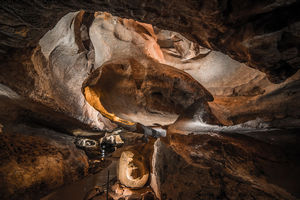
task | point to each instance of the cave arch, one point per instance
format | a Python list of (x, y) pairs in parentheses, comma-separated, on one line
[(147, 93)]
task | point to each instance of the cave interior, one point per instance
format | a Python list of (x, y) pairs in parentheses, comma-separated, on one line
[(150, 100)]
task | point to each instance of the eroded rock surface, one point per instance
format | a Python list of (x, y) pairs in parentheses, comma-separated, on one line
[(145, 91), (17, 109), (62, 66), (104, 58), (133, 171), (216, 166), (129, 67), (35, 161), (269, 102), (240, 93), (78, 46), (121, 192), (265, 34)]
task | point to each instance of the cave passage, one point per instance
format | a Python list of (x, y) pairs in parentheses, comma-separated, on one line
[(208, 112)]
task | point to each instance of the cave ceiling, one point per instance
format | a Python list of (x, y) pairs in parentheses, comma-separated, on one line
[(262, 34)]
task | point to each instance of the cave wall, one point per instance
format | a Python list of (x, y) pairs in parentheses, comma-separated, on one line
[(37, 160), (263, 35), (223, 166), (240, 93), (121, 61), (62, 68), (82, 42), (42, 75)]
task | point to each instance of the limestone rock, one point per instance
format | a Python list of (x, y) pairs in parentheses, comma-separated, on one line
[(133, 171), (259, 33), (66, 69), (143, 91), (82, 43), (197, 113), (178, 46), (35, 161), (270, 102), (215, 166), (15, 109), (66, 62), (122, 33)]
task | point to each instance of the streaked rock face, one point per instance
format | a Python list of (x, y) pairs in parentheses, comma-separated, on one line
[(240, 93), (147, 98), (62, 64)]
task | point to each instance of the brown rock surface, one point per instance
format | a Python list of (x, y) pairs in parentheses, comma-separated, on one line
[(66, 70), (35, 161), (241, 93), (81, 43), (262, 33), (225, 166), (120, 192), (69, 59), (146, 92), (274, 103), (16, 109)]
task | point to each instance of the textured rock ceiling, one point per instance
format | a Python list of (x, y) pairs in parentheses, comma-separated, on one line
[(263, 34), (126, 69), (116, 66)]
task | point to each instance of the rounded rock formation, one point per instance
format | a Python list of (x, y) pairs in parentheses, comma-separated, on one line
[(133, 171)]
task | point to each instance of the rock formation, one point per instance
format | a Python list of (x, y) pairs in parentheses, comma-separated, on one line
[(141, 91), (35, 161), (264, 34), (133, 171), (214, 166), (218, 81), (146, 92)]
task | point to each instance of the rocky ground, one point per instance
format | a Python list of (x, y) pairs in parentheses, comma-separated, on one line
[(197, 165)]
